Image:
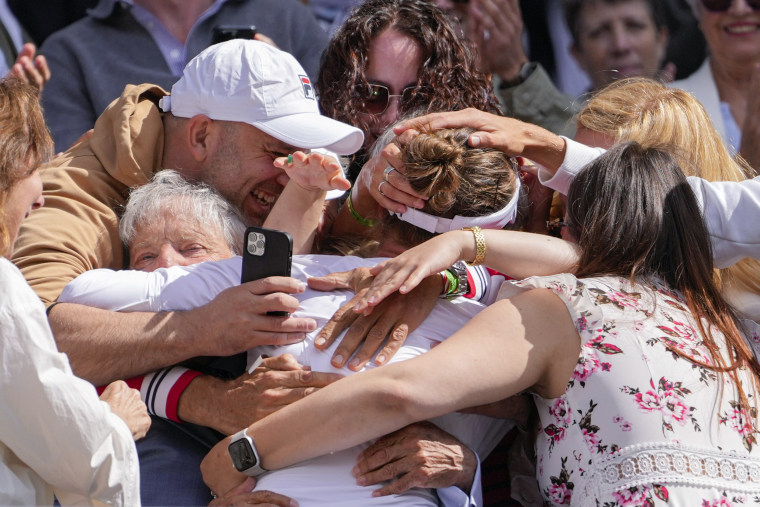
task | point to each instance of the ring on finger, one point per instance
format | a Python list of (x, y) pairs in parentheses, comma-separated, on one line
[(387, 171), (380, 188)]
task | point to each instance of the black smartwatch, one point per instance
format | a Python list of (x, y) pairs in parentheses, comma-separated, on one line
[(244, 455)]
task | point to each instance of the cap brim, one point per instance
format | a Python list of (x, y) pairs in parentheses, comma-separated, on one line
[(310, 130)]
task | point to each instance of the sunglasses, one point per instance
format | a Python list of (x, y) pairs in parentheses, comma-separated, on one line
[(723, 5), (379, 96)]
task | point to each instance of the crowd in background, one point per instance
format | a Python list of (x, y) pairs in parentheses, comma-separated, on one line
[(527, 226)]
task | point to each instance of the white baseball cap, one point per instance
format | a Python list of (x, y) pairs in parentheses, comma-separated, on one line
[(252, 82)]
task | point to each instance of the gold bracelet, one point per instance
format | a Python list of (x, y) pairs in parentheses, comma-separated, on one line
[(480, 245)]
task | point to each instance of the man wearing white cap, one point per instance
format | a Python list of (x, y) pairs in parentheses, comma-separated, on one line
[(238, 105)]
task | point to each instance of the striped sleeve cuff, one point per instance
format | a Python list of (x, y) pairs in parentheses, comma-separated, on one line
[(161, 390)]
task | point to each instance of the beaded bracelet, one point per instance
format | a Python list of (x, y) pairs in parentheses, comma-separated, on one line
[(366, 222)]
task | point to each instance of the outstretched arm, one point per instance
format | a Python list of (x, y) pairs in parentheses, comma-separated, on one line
[(509, 347), (513, 137), (516, 254)]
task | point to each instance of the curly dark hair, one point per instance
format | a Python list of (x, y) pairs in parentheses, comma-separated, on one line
[(448, 80)]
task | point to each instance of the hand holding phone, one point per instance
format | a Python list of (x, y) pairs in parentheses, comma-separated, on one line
[(266, 252)]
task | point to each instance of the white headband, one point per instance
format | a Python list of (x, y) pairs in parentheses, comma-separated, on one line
[(496, 220)]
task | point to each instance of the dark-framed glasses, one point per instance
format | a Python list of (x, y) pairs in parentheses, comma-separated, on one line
[(723, 5), (378, 98)]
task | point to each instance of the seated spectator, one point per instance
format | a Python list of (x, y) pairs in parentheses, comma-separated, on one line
[(215, 131), (56, 437), (150, 41), (576, 344), (728, 80), (466, 184)]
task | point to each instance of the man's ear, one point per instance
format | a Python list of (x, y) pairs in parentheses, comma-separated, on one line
[(202, 136)]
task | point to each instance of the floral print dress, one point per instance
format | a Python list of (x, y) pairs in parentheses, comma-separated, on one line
[(639, 424)]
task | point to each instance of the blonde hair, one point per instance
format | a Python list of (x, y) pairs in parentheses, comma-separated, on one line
[(25, 144), (653, 115)]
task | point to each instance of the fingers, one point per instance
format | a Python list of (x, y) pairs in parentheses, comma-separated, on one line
[(403, 280), (31, 69), (469, 117), (339, 322), (260, 498), (263, 38), (273, 284), (284, 362), (354, 279), (389, 325), (314, 171), (110, 389)]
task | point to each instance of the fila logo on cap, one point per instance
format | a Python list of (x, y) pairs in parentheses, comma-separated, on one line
[(308, 91)]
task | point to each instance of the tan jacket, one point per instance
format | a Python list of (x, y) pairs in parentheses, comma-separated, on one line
[(77, 228)]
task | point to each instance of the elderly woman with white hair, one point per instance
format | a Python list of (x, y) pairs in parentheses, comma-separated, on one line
[(728, 82)]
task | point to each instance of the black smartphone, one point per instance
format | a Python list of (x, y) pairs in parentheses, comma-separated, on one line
[(266, 252), (229, 32)]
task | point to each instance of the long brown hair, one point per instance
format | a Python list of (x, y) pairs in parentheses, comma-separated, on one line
[(24, 141), (634, 215)]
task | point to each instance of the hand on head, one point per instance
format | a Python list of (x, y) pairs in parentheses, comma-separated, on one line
[(382, 177), (508, 135)]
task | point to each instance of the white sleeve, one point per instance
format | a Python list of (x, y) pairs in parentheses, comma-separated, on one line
[(455, 497), (577, 156), (731, 211), (165, 289), (53, 421)]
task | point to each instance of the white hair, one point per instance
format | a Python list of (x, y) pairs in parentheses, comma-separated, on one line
[(169, 192)]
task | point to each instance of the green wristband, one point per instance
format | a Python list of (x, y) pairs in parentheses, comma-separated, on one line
[(366, 222), (452, 285)]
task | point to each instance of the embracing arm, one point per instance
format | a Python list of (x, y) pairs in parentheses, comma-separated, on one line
[(509, 347), (105, 345), (516, 254)]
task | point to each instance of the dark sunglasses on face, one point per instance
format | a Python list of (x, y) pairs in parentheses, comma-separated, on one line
[(723, 5), (379, 96)]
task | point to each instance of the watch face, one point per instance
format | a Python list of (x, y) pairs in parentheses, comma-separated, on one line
[(242, 455)]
